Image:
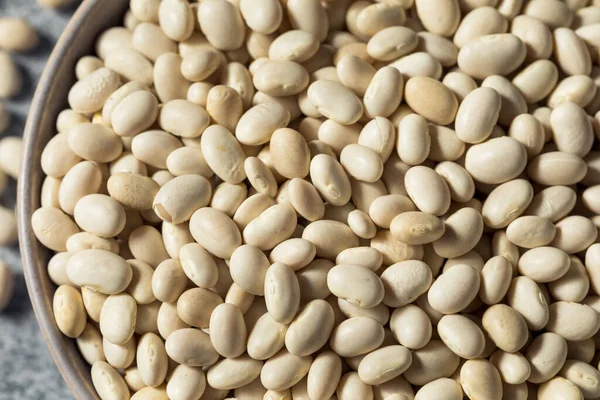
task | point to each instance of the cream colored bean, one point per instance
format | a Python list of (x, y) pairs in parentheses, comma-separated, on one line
[(260, 176), (431, 362), (447, 297), (546, 355), (573, 321), (559, 388), (384, 364), (222, 24), (112, 39), (479, 22), (439, 47), (284, 370), (330, 179), (544, 264), (526, 129), (414, 142), (472, 125), (57, 269), (416, 227), (183, 118), (582, 375), (459, 83), (405, 281), (537, 80), (441, 389), (266, 338), (89, 344), (330, 238), (384, 93), (495, 280), (259, 123), (289, 153), (133, 191), (574, 233), (571, 52), (196, 305), (135, 113), (338, 136), (296, 253), (514, 368), (95, 142), (513, 102), (358, 285), (223, 154), (506, 327), (572, 286), (251, 208), (118, 318), (446, 26), (392, 43), (100, 215), (384, 209), (82, 179), (198, 265), (263, 17), (361, 224), (100, 270), (309, 16), (496, 160), (119, 356), (376, 17), (281, 78), (67, 307), (228, 330), (411, 326), (522, 291), (152, 360), (168, 281), (108, 382), (420, 88), (224, 105), (335, 101), (294, 45), (480, 379), (361, 162), (572, 130), (497, 212), (459, 181), (271, 227), (168, 80), (365, 256), (282, 293), (324, 375), (476, 60), (191, 347), (88, 95), (153, 147), (177, 200), (186, 383), (215, 231), (93, 302), (355, 73), (311, 328), (530, 232), (578, 89), (535, 34), (356, 336), (463, 229), (415, 181), (228, 197), (231, 373), (305, 199), (198, 66), (557, 168), (52, 227), (461, 335), (140, 287), (57, 157)]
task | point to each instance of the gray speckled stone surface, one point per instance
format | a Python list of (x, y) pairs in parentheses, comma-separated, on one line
[(27, 371)]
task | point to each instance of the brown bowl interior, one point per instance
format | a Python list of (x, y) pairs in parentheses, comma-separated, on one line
[(92, 17)]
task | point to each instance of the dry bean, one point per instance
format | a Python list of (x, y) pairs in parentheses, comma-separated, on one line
[(191, 347), (447, 297), (480, 379), (431, 362), (310, 329)]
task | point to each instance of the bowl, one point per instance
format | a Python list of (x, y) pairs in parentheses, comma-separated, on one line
[(90, 19)]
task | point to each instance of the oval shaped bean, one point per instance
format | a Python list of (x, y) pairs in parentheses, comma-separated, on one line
[(411, 326), (445, 26), (506, 327), (191, 347), (333, 100), (330, 179), (118, 318), (477, 59), (89, 94), (480, 379), (461, 335), (415, 181), (573, 321), (442, 111), (546, 355), (330, 237), (68, 309), (472, 125), (282, 293), (431, 362), (496, 160), (100, 270), (108, 382), (310, 329), (449, 297), (356, 336), (228, 330), (530, 232)]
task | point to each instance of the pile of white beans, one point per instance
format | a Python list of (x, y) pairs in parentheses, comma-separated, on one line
[(316, 200), (16, 36)]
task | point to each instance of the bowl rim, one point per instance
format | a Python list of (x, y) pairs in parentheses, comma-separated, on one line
[(28, 200)]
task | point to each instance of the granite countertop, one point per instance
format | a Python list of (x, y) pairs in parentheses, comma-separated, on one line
[(27, 372)]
